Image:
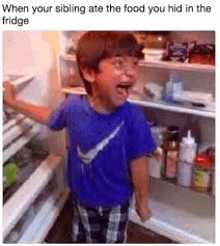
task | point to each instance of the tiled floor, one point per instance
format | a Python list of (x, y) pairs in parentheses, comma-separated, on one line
[(61, 231)]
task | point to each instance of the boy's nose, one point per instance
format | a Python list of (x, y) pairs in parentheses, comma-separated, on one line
[(130, 70)]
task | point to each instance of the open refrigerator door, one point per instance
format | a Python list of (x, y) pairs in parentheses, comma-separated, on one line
[(34, 190)]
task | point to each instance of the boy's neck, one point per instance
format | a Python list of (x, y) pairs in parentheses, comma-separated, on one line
[(99, 106)]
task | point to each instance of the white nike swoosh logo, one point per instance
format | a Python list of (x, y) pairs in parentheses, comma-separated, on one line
[(91, 154)]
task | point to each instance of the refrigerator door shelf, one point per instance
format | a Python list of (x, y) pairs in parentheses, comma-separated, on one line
[(40, 216), (16, 206), (43, 221), (14, 146), (12, 121), (17, 130)]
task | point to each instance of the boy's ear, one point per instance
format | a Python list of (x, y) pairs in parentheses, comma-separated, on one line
[(88, 74)]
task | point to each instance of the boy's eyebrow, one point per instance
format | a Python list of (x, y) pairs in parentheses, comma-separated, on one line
[(115, 59)]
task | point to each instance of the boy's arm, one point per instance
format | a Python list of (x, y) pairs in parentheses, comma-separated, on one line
[(37, 113), (140, 179)]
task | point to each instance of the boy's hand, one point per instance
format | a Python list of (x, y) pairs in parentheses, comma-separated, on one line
[(8, 93), (37, 113), (143, 210)]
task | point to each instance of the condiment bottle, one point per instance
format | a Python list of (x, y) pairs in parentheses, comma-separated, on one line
[(211, 152), (187, 154), (202, 172), (170, 153)]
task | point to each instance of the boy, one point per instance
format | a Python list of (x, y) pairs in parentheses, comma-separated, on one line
[(108, 137)]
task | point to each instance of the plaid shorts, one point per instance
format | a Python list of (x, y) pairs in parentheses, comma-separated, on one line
[(101, 224)]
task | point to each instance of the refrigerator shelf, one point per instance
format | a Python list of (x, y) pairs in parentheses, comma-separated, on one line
[(44, 220), (26, 163), (16, 206), (21, 128), (179, 213), (15, 146), (136, 99), (40, 216)]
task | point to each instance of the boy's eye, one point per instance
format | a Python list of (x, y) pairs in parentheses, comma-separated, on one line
[(118, 62), (135, 62), (121, 63)]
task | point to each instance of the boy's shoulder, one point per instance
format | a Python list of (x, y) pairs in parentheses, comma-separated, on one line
[(72, 100), (73, 103), (136, 115), (133, 109), (78, 103)]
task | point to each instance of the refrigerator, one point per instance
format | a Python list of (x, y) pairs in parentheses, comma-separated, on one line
[(45, 63)]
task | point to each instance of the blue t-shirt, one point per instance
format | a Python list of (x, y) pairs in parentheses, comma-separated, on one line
[(100, 147)]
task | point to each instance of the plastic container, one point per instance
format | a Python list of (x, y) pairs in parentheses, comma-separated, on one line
[(154, 162), (187, 153), (184, 177), (202, 171)]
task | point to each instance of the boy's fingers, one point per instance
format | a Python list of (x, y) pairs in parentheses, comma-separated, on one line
[(8, 91), (144, 213), (9, 87), (8, 84), (147, 217)]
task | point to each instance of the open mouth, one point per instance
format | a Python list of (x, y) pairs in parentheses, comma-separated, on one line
[(124, 88)]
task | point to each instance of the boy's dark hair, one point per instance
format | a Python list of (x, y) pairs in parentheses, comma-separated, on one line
[(94, 46)]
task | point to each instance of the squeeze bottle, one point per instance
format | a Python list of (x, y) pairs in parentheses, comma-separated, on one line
[(187, 154)]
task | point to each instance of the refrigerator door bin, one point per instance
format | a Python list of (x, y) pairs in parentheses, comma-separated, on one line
[(16, 133), (39, 217), (22, 199)]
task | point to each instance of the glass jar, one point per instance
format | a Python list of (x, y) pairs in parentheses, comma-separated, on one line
[(211, 152), (202, 171), (170, 153)]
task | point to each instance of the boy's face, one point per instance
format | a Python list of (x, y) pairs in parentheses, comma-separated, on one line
[(115, 79)]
